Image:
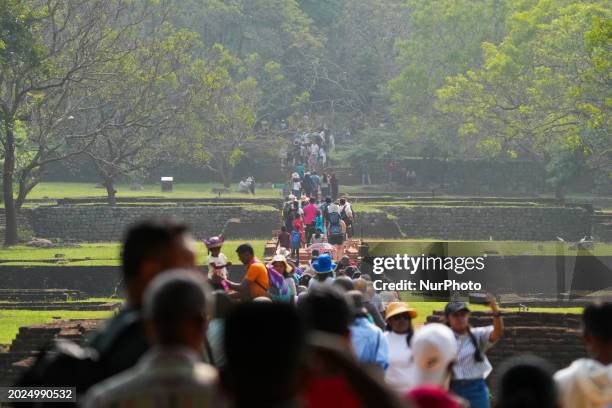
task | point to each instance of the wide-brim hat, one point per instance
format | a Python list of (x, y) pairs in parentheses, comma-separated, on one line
[(281, 258), (324, 264), (397, 308)]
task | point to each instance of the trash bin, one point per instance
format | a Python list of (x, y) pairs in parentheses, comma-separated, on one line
[(166, 184)]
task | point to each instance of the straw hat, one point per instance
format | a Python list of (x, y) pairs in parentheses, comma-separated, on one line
[(281, 258), (396, 308)]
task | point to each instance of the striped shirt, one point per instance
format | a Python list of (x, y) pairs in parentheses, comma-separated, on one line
[(466, 367)]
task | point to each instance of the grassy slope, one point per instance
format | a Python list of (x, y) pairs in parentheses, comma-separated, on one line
[(103, 253)]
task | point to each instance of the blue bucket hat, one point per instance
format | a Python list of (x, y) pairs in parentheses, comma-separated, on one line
[(324, 264)]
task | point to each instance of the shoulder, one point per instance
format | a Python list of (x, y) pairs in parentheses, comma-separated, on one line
[(109, 390)]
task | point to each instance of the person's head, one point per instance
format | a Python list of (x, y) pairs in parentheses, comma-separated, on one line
[(326, 310), (245, 253), (355, 300), (434, 350), (252, 375), (314, 254), (342, 201), (283, 229), (151, 247), (597, 331), (328, 200), (175, 309), (350, 271), (312, 200), (318, 215), (279, 263), (457, 315), (214, 244), (344, 283), (526, 382), (223, 304), (399, 317)]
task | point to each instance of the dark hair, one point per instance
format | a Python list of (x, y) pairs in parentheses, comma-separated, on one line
[(322, 276), (245, 248), (526, 382), (255, 326), (596, 319), (409, 334), (325, 309), (312, 200), (304, 280), (328, 200), (145, 241), (319, 213), (284, 229), (173, 299)]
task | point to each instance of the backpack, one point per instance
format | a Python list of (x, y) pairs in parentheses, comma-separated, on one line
[(278, 288), (296, 238), (344, 216), (334, 223)]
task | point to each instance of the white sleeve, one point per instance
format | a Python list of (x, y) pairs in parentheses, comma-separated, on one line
[(483, 334)]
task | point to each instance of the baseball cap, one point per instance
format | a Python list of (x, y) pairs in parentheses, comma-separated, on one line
[(455, 306), (434, 347)]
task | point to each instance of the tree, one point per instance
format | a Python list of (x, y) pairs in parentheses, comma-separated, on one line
[(445, 39), (222, 113), (539, 92), (50, 52)]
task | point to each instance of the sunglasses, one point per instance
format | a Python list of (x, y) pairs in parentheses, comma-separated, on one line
[(403, 316)]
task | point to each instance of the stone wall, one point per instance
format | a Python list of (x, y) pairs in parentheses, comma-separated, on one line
[(500, 223), (107, 223)]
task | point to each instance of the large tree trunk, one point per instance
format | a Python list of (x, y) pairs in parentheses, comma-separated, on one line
[(110, 191), (10, 234)]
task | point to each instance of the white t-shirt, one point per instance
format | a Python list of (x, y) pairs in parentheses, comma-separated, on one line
[(217, 260), (398, 373), (297, 185), (586, 383)]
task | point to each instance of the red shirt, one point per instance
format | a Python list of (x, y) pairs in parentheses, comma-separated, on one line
[(310, 212), (298, 224)]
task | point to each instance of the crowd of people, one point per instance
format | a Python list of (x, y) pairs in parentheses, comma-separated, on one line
[(311, 149), (186, 339)]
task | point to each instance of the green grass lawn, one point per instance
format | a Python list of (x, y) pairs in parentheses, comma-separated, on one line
[(12, 320), (102, 254), (494, 248), (55, 190)]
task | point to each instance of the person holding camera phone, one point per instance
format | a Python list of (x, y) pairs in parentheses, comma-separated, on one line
[(472, 366)]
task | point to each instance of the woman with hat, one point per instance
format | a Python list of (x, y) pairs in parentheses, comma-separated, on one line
[(472, 365), (280, 265), (324, 271), (217, 262), (399, 333)]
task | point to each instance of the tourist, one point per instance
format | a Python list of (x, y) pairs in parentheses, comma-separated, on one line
[(255, 282), (296, 185), (217, 262), (243, 186), (317, 237), (334, 187), (527, 382), (214, 333), (280, 265), (346, 213), (324, 208), (307, 185), (368, 341), (299, 169), (587, 382), (325, 186), (171, 372), (296, 243), (324, 268), (399, 332), (322, 157), (284, 238), (314, 255), (336, 229), (472, 364), (319, 222), (310, 213), (336, 380), (362, 285), (264, 343), (316, 184), (345, 284), (250, 181), (434, 351)]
